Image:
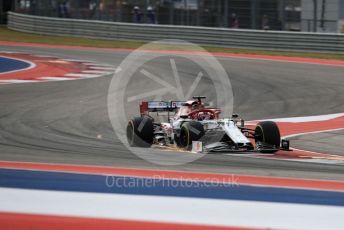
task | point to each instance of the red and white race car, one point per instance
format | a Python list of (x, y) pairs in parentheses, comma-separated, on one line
[(191, 121)]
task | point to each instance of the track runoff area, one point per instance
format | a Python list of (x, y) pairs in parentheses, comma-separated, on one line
[(58, 196)]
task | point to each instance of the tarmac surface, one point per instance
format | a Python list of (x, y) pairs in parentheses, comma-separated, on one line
[(68, 121)]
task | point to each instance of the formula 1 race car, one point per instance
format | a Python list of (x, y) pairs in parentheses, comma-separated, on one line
[(192, 122)]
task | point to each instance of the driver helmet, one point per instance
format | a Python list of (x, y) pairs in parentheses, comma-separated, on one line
[(203, 116)]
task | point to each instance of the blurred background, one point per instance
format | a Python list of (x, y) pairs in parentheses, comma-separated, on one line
[(287, 15)]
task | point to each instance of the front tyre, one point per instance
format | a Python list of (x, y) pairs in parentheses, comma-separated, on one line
[(140, 132), (267, 134), (190, 131)]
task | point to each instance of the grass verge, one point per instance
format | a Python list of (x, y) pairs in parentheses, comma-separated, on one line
[(10, 35)]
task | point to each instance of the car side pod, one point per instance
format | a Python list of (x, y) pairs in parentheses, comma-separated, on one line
[(285, 145)]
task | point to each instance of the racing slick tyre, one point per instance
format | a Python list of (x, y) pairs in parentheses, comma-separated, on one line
[(190, 131), (268, 134), (140, 132)]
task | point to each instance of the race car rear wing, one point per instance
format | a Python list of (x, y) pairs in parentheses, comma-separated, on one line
[(159, 106)]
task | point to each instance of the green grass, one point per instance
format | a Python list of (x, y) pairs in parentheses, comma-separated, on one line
[(10, 35)]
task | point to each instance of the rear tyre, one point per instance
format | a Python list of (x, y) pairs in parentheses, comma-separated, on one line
[(267, 132), (140, 132), (190, 131)]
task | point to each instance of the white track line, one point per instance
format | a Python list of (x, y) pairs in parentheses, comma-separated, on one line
[(86, 62), (57, 78), (11, 52), (172, 209), (307, 118), (18, 81), (82, 75)]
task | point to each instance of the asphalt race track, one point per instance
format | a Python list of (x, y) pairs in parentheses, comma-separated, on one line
[(67, 121), (321, 142)]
